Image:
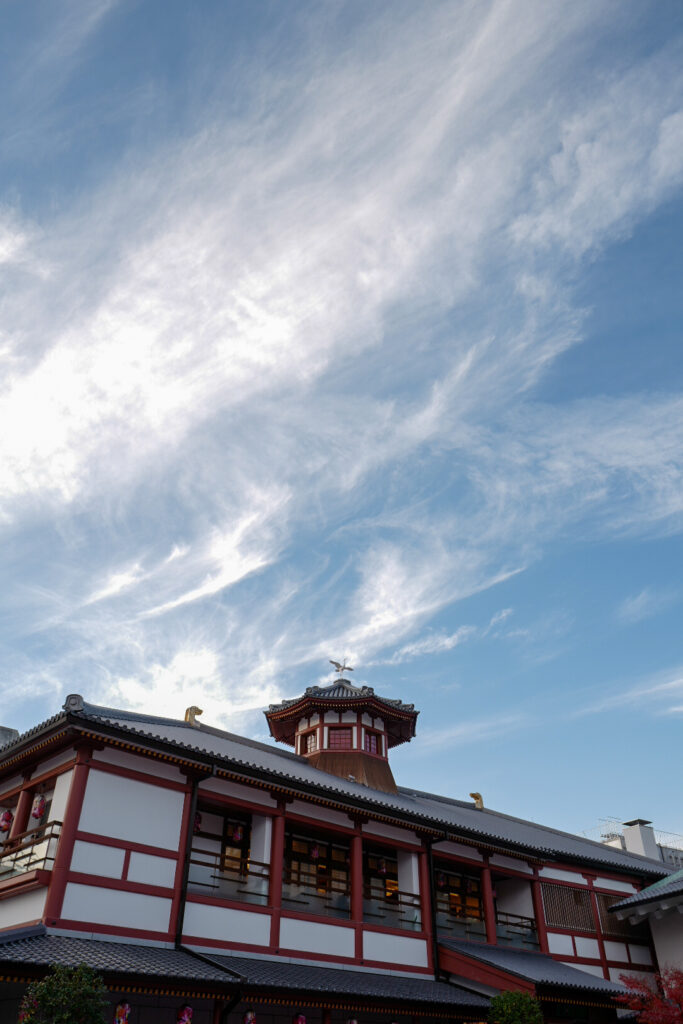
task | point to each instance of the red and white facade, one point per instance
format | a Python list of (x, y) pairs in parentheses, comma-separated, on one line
[(147, 839)]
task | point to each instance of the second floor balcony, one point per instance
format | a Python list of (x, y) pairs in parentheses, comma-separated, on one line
[(34, 850)]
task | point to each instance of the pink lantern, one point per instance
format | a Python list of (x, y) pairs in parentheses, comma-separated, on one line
[(249, 1017), (38, 808), (197, 824), (382, 867), (6, 819), (122, 1013), (185, 1014), (299, 1018), (315, 851), (237, 834)]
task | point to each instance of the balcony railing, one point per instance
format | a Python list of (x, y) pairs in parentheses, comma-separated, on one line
[(30, 851), (308, 895), (515, 930), (229, 878), (393, 909), (459, 925)]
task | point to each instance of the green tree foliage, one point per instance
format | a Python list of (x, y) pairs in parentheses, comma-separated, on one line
[(515, 1008), (67, 995)]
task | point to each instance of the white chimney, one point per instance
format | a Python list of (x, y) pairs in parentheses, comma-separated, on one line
[(639, 837)]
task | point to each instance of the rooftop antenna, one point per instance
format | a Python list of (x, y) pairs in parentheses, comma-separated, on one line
[(341, 667)]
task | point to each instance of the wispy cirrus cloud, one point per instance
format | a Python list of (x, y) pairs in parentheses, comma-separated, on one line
[(650, 601), (298, 348)]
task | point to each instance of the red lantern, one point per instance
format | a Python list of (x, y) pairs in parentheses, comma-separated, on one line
[(237, 834), (6, 819), (38, 808), (299, 1018), (249, 1017), (185, 1014), (122, 1013), (315, 851)]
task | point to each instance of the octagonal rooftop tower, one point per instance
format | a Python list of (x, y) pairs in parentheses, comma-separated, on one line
[(345, 730)]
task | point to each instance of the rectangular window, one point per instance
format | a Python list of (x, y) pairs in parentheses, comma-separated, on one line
[(221, 863), (340, 739), (567, 908), (372, 743), (316, 875), (310, 742), (459, 906), (384, 902)]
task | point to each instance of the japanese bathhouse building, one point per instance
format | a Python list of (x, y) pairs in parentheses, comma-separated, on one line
[(212, 878)]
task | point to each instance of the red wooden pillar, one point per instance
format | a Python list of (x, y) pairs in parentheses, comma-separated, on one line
[(426, 904), (357, 888), (598, 931), (65, 846), (489, 905), (20, 822), (277, 856), (185, 827), (539, 913)]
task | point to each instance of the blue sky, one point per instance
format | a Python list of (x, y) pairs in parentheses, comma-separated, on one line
[(352, 330)]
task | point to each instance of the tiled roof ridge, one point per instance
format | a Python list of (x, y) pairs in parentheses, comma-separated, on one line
[(670, 885), (526, 821), (93, 711), (339, 689), (380, 801)]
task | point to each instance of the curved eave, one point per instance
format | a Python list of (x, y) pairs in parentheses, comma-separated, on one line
[(283, 722)]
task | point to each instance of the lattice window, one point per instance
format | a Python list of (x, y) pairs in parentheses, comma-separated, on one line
[(310, 742), (372, 742), (567, 908), (612, 926), (340, 739)]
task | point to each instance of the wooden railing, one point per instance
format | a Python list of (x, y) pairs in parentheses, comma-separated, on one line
[(394, 909), (307, 894), (516, 930), (230, 878), (30, 851)]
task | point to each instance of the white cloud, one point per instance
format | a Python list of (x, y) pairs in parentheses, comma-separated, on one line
[(474, 731), (648, 603)]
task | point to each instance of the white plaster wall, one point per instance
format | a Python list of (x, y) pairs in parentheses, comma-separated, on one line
[(251, 793), (458, 850), (499, 860), (22, 909), (587, 947), (60, 797), (365, 719), (316, 937), (349, 716), (116, 907), (562, 876), (136, 763), (408, 871), (150, 870), (10, 784), (615, 886), (586, 968), (561, 944), (54, 762), (317, 814), (667, 934), (226, 924), (616, 951), (261, 837), (640, 954), (95, 859), (401, 835), (394, 949), (615, 974), (331, 716), (138, 811), (513, 896)]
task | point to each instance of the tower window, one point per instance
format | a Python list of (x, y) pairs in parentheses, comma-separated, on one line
[(340, 739), (310, 742), (373, 743)]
